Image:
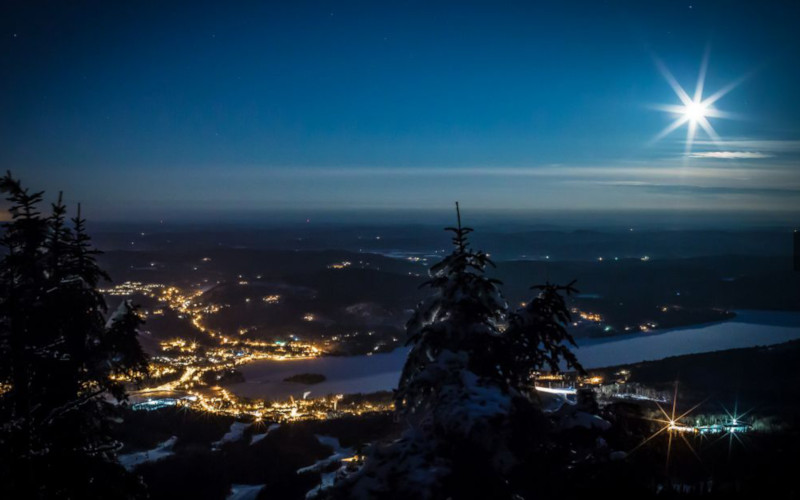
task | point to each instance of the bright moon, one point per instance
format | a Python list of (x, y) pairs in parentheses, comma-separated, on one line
[(694, 110)]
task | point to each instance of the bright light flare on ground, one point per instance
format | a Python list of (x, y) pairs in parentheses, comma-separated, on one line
[(673, 425), (731, 433)]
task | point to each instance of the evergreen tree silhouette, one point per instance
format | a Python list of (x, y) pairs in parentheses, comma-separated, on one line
[(537, 337), (474, 426), (462, 316), (60, 356)]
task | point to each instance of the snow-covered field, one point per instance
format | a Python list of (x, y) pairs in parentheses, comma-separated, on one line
[(338, 455), (258, 437), (245, 491), (131, 460), (234, 434)]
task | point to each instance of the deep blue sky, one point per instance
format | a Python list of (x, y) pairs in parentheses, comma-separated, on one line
[(142, 109)]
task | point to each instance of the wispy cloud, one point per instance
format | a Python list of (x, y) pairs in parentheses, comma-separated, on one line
[(689, 189), (731, 155), (754, 144)]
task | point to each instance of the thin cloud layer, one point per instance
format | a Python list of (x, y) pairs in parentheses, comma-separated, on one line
[(731, 155)]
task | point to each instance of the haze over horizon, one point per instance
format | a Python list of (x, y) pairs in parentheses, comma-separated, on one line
[(189, 111)]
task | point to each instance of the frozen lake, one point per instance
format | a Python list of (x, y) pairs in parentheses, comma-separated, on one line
[(264, 379)]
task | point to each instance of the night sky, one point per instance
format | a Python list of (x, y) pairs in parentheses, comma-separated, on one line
[(147, 110)]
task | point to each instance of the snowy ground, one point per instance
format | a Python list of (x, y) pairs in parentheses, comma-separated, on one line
[(585, 420), (327, 479), (131, 460), (234, 434), (258, 437), (245, 491), (339, 453)]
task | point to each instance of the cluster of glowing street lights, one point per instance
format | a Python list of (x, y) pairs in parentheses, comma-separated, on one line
[(673, 424), (223, 402)]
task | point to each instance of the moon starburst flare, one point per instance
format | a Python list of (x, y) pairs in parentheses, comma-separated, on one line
[(694, 110)]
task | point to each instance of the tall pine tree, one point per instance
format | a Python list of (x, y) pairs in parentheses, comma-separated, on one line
[(61, 358), (474, 425), (456, 328)]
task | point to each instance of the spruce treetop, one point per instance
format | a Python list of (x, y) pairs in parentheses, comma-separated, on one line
[(60, 355)]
